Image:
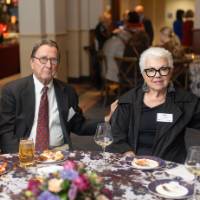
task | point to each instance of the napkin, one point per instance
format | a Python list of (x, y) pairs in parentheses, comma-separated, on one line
[(45, 171), (182, 172)]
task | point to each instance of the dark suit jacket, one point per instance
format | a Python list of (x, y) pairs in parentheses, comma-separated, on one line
[(17, 109), (149, 29), (169, 140)]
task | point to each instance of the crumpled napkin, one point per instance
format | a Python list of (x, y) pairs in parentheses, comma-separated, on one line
[(182, 172)]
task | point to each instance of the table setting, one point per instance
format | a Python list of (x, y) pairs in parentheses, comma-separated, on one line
[(62, 174), (122, 176)]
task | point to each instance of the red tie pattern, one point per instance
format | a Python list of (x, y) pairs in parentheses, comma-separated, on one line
[(42, 134)]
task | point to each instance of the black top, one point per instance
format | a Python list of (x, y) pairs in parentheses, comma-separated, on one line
[(169, 143), (147, 129)]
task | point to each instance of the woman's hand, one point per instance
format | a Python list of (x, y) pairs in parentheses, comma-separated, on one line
[(129, 154), (113, 107)]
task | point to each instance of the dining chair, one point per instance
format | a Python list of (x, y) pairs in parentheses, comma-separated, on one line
[(181, 72), (192, 137), (128, 73), (109, 88)]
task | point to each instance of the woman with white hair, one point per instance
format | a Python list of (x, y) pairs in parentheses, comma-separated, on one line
[(152, 118)]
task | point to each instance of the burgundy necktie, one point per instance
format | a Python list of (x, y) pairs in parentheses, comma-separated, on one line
[(42, 134)]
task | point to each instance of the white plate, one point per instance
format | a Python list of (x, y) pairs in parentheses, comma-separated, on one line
[(168, 188), (8, 167), (147, 162), (50, 161)]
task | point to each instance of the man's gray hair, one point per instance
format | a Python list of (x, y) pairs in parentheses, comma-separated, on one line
[(153, 53), (47, 42)]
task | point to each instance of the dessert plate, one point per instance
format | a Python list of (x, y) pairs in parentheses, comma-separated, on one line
[(173, 189), (147, 162), (51, 157)]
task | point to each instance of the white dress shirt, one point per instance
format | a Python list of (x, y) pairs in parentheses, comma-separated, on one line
[(55, 132)]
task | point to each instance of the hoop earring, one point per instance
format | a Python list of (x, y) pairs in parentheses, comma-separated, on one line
[(171, 87), (145, 87)]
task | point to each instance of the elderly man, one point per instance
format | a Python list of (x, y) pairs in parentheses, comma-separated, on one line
[(146, 22), (41, 107)]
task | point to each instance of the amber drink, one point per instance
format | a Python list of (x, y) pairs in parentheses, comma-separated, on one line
[(26, 152)]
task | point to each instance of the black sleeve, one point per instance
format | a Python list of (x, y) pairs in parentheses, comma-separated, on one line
[(120, 127), (149, 29), (8, 140), (79, 124), (195, 121)]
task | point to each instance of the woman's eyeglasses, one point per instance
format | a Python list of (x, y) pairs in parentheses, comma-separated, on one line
[(163, 71), (44, 60)]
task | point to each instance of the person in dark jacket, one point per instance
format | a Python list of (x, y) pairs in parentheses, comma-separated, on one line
[(152, 118), (20, 105), (178, 24), (146, 22)]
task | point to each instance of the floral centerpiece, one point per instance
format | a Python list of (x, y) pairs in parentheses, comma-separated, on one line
[(74, 182)]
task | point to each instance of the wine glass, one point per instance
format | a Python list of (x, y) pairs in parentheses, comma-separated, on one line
[(192, 163), (103, 136)]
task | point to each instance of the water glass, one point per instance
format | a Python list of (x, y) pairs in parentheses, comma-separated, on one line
[(192, 163)]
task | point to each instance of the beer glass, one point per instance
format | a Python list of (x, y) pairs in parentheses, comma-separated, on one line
[(26, 152)]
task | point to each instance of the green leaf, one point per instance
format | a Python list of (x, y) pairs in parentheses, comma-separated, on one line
[(65, 185), (63, 196)]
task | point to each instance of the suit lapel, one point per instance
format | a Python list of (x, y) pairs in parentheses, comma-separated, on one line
[(63, 108), (28, 101), (62, 100)]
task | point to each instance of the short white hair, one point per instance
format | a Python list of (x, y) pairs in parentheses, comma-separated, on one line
[(153, 53)]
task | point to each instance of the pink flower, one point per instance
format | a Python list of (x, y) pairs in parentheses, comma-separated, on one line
[(34, 186), (82, 183), (107, 193), (69, 164), (72, 193)]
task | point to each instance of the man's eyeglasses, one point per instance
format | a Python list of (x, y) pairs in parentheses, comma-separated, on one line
[(44, 60), (163, 71)]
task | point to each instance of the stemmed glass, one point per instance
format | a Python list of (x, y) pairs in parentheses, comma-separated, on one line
[(103, 136), (192, 163)]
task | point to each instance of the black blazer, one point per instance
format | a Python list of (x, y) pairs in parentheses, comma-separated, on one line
[(169, 142), (17, 109)]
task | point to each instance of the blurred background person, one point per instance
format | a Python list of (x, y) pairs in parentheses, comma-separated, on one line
[(121, 24), (178, 24), (101, 33), (187, 29), (132, 33), (170, 41), (103, 29), (146, 22)]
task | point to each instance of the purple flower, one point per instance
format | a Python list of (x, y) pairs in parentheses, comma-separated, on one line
[(82, 183), (69, 164), (46, 195), (72, 192), (69, 174)]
